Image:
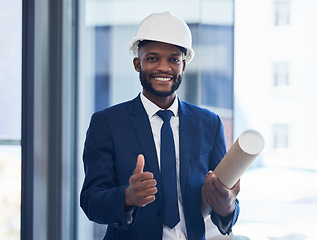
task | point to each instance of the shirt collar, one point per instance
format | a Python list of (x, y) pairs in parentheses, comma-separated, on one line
[(151, 108)]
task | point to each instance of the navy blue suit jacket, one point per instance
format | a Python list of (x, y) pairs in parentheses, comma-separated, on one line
[(116, 136)]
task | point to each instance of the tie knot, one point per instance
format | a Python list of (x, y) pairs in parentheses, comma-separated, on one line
[(165, 115)]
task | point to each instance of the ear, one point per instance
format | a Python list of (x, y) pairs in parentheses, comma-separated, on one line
[(184, 65), (136, 63)]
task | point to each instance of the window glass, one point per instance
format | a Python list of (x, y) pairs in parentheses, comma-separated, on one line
[(278, 194), (280, 136), (10, 120), (282, 12), (281, 74)]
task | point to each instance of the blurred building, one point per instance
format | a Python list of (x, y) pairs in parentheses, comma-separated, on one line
[(275, 78)]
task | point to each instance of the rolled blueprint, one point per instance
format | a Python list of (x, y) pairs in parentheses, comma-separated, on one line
[(239, 157)]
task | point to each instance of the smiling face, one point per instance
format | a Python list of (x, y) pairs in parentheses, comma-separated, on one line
[(161, 67)]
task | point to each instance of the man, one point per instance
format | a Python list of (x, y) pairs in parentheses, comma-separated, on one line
[(146, 175)]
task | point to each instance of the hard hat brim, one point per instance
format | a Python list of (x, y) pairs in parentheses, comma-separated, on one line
[(133, 48)]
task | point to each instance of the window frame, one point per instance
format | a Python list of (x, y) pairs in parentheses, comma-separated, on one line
[(48, 192)]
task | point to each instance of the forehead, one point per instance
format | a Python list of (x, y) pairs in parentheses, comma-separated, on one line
[(159, 48)]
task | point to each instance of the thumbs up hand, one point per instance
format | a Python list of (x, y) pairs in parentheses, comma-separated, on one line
[(142, 186)]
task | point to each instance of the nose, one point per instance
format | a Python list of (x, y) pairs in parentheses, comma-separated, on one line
[(164, 65)]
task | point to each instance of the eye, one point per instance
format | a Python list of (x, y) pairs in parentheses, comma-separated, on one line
[(151, 59), (175, 60)]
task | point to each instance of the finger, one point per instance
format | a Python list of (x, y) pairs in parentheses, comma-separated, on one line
[(150, 191), (141, 187), (149, 183), (218, 184), (208, 174), (146, 196), (139, 165), (215, 189), (149, 199), (146, 200), (209, 179)]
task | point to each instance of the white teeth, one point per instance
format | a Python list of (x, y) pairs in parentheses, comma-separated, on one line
[(162, 79)]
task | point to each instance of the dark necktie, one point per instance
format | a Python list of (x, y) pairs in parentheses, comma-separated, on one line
[(168, 171)]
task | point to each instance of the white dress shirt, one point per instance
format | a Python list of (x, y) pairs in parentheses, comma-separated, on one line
[(179, 231)]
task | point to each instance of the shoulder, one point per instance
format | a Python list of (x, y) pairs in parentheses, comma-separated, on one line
[(198, 112)]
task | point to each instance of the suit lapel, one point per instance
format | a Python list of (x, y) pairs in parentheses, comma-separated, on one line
[(142, 127), (186, 130)]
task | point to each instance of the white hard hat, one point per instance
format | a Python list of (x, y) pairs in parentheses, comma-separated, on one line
[(164, 27)]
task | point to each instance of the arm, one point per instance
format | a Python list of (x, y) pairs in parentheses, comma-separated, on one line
[(104, 197), (222, 201)]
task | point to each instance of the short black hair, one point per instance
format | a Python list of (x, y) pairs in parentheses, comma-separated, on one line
[(144, 42)]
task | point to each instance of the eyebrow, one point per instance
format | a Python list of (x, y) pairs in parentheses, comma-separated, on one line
[(151, 53), (154, 53)]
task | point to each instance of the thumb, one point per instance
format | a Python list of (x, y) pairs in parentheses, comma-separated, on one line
[(139, 165), (236, 187)]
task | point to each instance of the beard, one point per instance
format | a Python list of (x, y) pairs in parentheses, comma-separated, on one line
[(147, 85)]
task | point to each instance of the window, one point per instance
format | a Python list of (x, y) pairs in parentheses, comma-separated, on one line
[(271, 197), (49, 62), (280, 136), (281, 12), (281, 74), (10, 120), (217, 74), (102, 66)]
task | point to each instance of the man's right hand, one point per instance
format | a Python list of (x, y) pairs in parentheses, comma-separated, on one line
[(142, 186)]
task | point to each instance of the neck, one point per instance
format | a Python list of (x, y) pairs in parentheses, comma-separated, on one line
[(162, 102)]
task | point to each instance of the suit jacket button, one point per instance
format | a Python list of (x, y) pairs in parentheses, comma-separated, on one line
[(117, 224)]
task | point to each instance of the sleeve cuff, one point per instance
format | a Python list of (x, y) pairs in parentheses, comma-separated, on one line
[(224, 224), (128, 214)]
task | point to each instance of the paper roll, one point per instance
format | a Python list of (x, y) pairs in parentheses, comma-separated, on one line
[(239, 157)]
